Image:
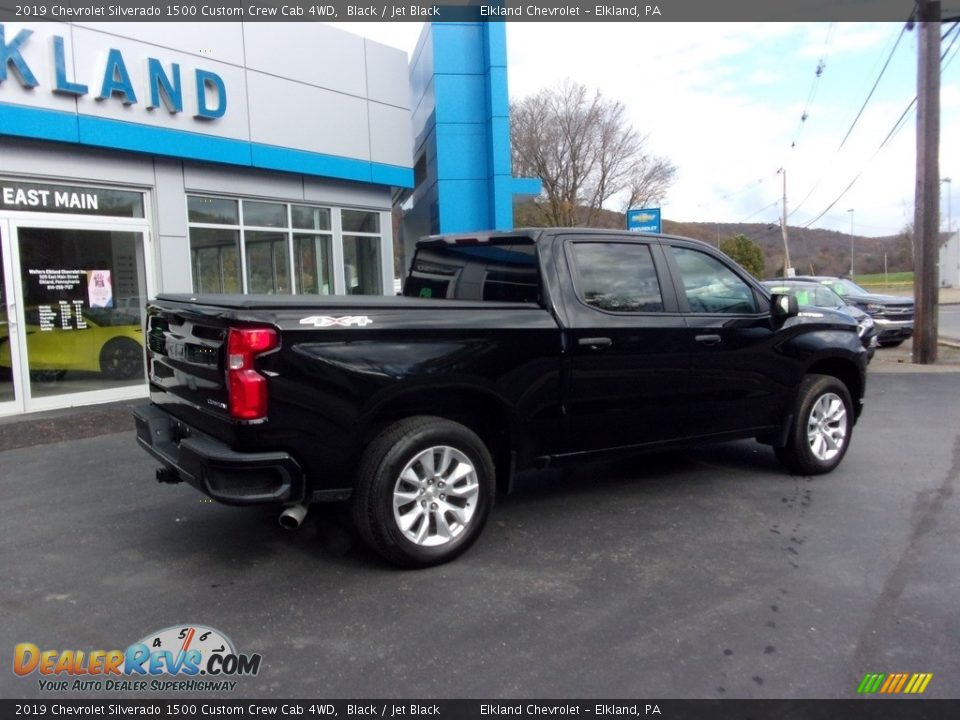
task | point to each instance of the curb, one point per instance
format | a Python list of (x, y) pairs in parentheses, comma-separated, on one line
[(20, 431)]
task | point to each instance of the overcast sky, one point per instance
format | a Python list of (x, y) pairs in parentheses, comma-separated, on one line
[(724, 103)]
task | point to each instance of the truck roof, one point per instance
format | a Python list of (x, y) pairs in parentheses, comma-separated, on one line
[(533, 235)]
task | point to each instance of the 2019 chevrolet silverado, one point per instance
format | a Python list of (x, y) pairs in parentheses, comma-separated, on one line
[(508, 351)]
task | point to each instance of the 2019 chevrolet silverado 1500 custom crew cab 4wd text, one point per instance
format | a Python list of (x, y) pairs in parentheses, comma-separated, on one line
[(509, 351)]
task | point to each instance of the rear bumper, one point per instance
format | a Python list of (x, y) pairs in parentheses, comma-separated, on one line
[(211, 466)]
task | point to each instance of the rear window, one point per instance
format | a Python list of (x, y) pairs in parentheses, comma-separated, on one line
[(505, 272)]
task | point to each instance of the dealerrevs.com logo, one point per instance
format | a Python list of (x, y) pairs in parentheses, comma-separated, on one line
[(185, 658)]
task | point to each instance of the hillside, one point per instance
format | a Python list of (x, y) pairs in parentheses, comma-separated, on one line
[(812, 251)]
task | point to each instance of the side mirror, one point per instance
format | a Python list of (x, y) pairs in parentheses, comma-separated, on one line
[(784, 306)]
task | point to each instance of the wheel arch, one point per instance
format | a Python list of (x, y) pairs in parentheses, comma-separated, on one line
[(846, 372), (486, 414)]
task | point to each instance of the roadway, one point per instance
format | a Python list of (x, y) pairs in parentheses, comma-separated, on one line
[(708, 573)]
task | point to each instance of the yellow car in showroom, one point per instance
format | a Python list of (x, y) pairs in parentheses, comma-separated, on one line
[(102, 341)]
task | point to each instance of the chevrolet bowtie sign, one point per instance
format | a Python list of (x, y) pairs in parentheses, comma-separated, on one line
[(644, 220)]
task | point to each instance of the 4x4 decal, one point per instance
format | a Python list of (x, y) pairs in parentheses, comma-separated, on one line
[(322, 321)]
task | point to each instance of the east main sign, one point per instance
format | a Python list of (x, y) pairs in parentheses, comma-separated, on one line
[(163, 84)]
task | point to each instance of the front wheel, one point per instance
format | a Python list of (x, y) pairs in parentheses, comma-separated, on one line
[(424, 490), (821, 429)]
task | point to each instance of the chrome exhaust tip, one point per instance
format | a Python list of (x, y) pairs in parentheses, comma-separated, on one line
[(292, 517)]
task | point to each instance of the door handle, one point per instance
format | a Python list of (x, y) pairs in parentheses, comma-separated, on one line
[(595, 343), (708, 339)]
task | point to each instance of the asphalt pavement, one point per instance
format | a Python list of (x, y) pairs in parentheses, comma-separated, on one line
[(706, 573)]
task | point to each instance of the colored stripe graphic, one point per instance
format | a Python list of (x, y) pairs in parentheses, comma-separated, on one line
[(900, 683), (870, 683), (890, 682), (919, 683), (913, 682), (894, 683)]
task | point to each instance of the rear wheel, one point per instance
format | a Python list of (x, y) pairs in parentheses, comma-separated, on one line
[(424, 490), (821, 429)]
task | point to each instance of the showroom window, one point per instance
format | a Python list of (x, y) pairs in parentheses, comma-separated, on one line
[(361, 252), (254, 246), (312, 240)]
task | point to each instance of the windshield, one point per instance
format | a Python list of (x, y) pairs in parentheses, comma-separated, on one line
[(808, 294), (844, 287)]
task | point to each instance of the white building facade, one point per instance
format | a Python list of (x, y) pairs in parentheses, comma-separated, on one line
[(950, 261), (144, 158)]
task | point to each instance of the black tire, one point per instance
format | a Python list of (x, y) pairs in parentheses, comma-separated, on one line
[(121, 359), (798, 455), (378, 480), (889, 343)]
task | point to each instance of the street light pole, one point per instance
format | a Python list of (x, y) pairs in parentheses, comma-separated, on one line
[(950, 222), (783, 226), (851, 242), (949, 203)]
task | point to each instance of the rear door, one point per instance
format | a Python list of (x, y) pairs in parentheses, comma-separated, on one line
[(626, 352), (730, 337)]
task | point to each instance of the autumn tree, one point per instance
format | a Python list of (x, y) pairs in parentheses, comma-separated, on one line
[(585, 151), (746, 252)]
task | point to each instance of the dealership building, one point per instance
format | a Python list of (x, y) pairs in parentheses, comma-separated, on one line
[(140, 158)]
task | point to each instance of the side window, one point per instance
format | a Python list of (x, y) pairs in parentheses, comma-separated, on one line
[(710, 286), (617, 277)]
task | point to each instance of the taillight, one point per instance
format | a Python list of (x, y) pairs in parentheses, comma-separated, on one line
[(247, 388)]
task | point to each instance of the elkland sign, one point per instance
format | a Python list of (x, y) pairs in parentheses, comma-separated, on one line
[(164, 85)]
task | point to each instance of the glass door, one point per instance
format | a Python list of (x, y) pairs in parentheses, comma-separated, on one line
[(82, 289), (11, 399)]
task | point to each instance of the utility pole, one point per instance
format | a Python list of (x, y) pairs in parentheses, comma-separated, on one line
[(927, 200), (783, 226)]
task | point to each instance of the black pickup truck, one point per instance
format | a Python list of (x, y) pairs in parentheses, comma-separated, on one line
[(508, 351)]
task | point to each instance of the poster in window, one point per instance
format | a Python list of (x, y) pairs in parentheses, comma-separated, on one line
[(99, 289)]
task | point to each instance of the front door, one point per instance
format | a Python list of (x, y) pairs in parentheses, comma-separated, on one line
[(734, 369)]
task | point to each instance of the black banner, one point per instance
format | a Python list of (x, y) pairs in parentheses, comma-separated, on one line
[(873, 709), (458, 11)]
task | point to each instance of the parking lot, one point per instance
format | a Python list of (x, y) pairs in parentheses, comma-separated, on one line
[(707, 573)]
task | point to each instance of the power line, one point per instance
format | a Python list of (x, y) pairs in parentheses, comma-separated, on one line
[(766, 207), (821, 66), (820, 180), (897, 126), (893, 131), (749, 186), (952, 43)]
